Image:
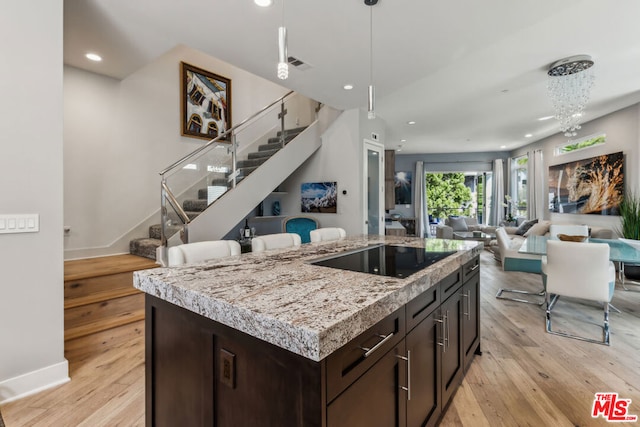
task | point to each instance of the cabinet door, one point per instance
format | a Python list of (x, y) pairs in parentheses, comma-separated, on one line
[(179, 368), (376, 398), (452, 367), (389, 182), (423, 351), (470, 318)]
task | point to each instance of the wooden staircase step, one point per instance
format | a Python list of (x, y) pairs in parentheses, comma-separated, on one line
[(99, 297), (103, 266), (99, 293), (113, 322), (103, 315)]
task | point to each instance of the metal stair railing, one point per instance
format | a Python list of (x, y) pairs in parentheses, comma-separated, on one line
[(218, 157)]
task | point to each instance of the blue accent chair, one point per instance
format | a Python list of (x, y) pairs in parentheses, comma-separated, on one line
[(300, 225)]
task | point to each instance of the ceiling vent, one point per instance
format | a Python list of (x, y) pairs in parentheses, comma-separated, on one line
[(298, 63)]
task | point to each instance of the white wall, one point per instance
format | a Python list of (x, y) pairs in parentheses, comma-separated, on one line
[(621, 128), (31, 264), (339, 159), (120, 134)]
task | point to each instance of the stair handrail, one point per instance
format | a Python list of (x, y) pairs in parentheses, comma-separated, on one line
[(168, 196), (229, 131)]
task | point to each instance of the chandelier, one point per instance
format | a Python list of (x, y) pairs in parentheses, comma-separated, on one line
[(569, 86)]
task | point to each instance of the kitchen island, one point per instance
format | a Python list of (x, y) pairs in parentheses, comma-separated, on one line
[(272, 339)]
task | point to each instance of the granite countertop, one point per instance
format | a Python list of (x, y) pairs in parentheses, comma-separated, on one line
[(277, 296)]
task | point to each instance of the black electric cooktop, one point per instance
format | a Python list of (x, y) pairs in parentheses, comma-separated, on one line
[(384, 260)]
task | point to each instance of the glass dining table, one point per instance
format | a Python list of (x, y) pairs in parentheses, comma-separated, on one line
[(619, 251)]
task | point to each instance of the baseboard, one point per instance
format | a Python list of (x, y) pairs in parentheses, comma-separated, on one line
[(34, 382)]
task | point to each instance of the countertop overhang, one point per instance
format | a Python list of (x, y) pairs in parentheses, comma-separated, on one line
[(278, 297)]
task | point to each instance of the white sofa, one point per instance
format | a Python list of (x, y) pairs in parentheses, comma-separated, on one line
[(515, 241), (453, 224)]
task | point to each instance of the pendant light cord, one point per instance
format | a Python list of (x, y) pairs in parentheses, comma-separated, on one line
[(371, 44)]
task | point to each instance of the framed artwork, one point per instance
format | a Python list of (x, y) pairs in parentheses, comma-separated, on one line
[(590, 186), (205, 103), (319, 197), (402, 185)]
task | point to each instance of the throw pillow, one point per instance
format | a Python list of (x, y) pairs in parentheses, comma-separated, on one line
[(539, 229), (525, 226), (458, 223)]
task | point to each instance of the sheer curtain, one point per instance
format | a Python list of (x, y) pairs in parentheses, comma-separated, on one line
[(420, 201), (535, 185), (497, 210)]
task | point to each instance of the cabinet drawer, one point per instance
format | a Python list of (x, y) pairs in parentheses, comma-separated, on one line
[(450, 284), (470, 268), (422, 306), (348, 363)]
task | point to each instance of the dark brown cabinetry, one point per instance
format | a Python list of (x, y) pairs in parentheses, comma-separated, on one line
[(376, 398), (389, 182), (470, 318), (400, 372), (424, 405)]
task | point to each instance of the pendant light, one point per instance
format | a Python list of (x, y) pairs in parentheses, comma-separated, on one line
[(283, 66), (371, 102)]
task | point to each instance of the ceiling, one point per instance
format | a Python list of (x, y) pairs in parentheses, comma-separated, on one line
[(471, 74)]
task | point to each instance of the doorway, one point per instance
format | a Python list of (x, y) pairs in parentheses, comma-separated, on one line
[(373, 191)]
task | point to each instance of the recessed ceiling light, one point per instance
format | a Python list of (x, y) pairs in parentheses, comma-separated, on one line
[(503, 146), (545, 118), (347, 87), (403, 140), (398, 149), (411, 122), (263, 3), (529, 135), (93, 57)]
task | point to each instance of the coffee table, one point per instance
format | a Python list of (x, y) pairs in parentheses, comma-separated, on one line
[(474, 235)]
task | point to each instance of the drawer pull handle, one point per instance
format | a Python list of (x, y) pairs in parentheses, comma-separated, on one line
[(475, 267), (408, 360), (442, 344), (369, 351), (468, 308), (447, 320)]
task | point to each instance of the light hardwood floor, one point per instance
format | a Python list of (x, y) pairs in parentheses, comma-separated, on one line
[(525, 377)]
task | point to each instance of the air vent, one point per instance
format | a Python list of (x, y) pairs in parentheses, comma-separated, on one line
[(298, 63)]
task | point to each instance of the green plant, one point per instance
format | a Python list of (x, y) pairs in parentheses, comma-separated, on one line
[(630, 216)]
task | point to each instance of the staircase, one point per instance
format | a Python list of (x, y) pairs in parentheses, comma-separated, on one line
[(146, 247), (99, 294)]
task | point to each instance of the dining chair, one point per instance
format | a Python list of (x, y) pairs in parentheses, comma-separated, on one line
[(275, 241), (301, 225), (512, 260), (569, 229), (327, 234), (201, 251), (578, 270)]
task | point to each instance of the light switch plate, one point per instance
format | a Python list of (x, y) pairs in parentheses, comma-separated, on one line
[(19, 223)]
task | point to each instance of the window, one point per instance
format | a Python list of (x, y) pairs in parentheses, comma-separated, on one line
[(212, 130), (195, 123), (458, 193), (519, 186), (581, 144)]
